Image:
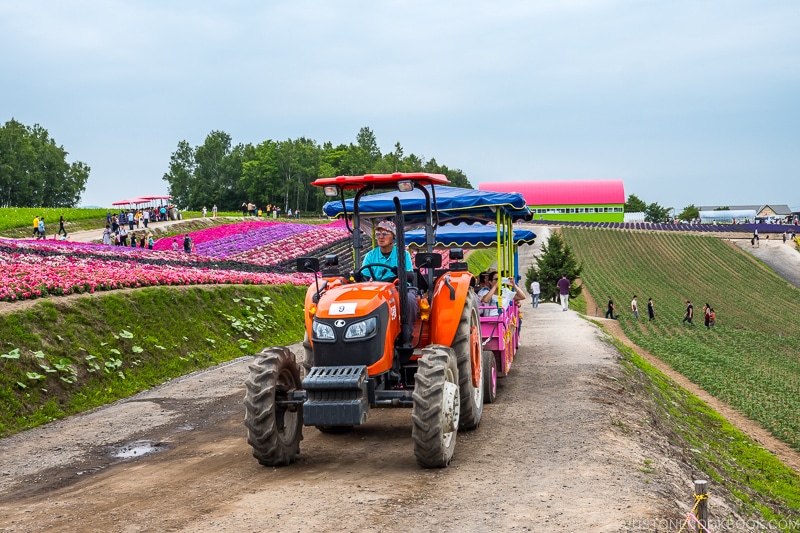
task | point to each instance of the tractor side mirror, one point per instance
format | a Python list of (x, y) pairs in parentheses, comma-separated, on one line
[(331, 260), (308, 264), (428, 260), (456, 254)]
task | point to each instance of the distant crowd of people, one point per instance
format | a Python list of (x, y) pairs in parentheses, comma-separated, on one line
[(273, 211)]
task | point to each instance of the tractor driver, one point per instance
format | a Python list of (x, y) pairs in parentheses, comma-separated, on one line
[(386, 254)]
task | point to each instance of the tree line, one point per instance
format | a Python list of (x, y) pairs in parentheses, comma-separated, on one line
[(34, 171), (653, 212), (279, 173)]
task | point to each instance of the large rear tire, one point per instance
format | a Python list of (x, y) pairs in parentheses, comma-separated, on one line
[(436, 406), (489, 377), (466, 343), (273, 431)]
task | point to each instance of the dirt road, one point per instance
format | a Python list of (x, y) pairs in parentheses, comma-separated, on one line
[(548, 455), (783, 258)]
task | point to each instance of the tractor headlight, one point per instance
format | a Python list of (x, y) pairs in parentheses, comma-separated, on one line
[(361, 330), (322, 332)]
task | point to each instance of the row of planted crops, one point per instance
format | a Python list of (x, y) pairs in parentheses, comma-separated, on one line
[(249, 252), (750, 359)]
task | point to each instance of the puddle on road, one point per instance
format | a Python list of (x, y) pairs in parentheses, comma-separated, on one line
[(137, 448)]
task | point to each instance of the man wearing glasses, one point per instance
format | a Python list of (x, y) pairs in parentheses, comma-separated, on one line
[(385, 253)]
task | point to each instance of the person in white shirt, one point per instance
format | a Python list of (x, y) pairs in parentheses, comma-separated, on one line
[(535, 291), (635, 307)]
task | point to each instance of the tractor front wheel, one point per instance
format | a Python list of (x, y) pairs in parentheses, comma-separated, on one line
[(436, 406), (274, 431)]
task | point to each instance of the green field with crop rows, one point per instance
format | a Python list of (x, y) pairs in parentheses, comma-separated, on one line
[(750, 359)]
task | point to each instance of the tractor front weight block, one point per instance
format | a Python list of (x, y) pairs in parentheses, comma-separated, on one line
[(337, 396)]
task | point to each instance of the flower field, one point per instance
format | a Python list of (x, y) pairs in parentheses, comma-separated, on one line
[(750, 359), (242, 253)]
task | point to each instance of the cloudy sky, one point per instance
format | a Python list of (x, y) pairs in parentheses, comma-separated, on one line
[(686, 101)]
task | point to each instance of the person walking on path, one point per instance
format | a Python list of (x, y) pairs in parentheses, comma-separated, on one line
[(707, 315), (651, 311), (42, 233), (563, 291), (205, 211), (187, 243), (635, 307), (536, 290), (61, 227), (36, 226), (689, 313), (610, 309), (214, 211)]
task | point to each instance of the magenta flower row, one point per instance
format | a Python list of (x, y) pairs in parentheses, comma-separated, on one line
[(291, 247), (214, 233)]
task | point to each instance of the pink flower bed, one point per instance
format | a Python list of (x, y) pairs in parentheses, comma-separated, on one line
[(30, 268), (26, 276)]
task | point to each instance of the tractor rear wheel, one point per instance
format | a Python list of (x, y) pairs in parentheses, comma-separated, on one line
[(489, 377), (273, 431), (466, 342), (436, 407)]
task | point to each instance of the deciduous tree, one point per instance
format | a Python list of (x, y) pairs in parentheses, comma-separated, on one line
[(635, 205), (34, 171)]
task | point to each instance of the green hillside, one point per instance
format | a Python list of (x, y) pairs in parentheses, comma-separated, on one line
[(62, 356), (750, 359)]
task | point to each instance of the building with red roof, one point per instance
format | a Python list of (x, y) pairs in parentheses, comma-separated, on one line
[(579, 200)]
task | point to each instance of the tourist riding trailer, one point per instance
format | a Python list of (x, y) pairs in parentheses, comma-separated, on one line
[(363, 349), (500, 325)]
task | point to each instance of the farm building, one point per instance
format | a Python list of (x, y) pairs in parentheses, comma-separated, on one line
[(776, 213), (576, 201)]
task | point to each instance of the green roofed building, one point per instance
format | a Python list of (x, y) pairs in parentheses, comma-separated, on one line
[(574, 201)]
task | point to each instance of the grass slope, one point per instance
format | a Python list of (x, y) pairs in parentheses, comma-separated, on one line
[(61, 357), (750, 359)]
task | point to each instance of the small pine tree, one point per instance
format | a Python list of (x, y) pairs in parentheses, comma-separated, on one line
[(556, 258)]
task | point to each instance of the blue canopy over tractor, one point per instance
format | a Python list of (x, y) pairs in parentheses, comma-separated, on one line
[(468, 236), (468, 205)]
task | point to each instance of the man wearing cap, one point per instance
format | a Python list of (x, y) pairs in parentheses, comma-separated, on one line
[(386, 254)]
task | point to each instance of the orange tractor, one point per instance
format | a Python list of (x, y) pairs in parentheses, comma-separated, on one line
[(413, 341)]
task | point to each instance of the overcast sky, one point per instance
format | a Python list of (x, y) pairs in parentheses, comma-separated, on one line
[(686, 101)]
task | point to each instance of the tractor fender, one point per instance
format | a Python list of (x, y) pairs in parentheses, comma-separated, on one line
[(446, 310)]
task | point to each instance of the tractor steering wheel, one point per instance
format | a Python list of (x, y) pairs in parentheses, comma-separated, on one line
[(372, 275)]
